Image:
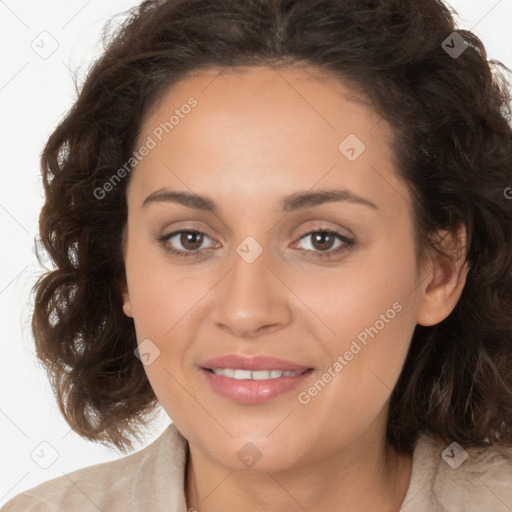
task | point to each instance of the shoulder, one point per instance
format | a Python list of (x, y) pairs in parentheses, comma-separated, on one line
[(84, 489), (456, 478), (482, 481), (106, 486)]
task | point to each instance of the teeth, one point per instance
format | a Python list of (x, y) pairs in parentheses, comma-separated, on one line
[(242, 374), (253, 375)]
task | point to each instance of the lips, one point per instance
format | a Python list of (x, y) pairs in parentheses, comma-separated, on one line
[(254, 363), (253, 380)]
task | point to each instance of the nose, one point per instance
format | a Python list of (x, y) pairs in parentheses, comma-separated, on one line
[(252, 300)]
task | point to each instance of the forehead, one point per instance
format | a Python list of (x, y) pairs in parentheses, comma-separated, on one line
[(260, 100), (260, 130)]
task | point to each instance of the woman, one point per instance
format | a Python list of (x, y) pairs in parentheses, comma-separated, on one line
[(287, 223)]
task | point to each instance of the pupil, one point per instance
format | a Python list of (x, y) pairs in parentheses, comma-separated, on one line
[(191, 240), (321, 237)]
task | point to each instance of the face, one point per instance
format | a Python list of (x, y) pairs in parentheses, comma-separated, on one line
[(262, 266)]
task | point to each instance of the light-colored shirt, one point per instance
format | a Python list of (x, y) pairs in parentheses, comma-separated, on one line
[(152, 480)]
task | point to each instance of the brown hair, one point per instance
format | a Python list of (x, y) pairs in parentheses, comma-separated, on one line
[(452, 144)]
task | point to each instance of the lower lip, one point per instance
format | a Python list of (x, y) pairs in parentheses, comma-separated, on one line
[(253, 391)]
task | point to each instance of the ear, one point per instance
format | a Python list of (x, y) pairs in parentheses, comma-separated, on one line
[(444, 280), (127, 305)]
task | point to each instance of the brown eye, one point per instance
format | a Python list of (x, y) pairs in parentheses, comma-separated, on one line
[(322, 244), (322, 240), (191, 240), (189, 244), (184, 243)]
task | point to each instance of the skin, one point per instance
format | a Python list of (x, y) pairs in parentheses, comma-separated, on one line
[(257, 135)]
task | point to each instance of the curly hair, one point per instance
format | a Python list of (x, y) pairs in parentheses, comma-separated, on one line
[(450, 116)]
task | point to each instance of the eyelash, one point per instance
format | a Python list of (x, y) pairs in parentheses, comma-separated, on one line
[(323, 255)]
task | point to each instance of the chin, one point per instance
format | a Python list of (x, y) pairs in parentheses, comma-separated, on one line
[(272, 453)]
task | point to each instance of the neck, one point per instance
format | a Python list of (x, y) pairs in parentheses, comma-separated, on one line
[(359, 477)]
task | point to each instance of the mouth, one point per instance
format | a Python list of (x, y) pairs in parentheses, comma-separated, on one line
[(252, 387), (239, 374), (240, 362)]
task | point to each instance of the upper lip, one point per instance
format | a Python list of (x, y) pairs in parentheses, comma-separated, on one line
[(240, 362)]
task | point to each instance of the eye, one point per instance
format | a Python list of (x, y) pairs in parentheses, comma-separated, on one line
[(322, 241), (191, 241)]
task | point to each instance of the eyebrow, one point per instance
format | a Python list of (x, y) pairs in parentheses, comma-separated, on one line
[(296, 201)]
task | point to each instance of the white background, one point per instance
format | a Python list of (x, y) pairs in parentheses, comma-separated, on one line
[(35, 92)]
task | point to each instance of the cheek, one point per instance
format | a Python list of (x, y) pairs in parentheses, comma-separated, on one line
[(373, 318), (168, 308), (160, 295), (369, 298)]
